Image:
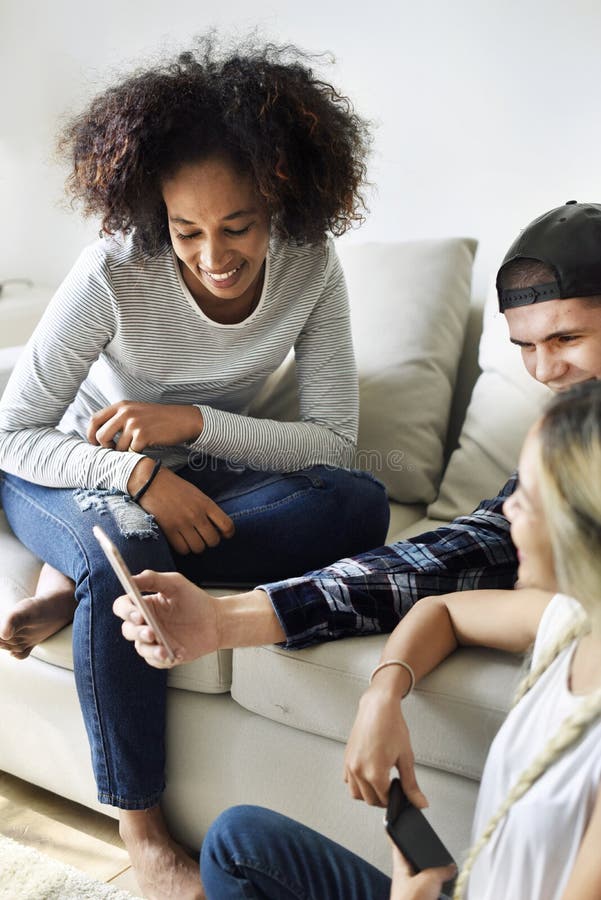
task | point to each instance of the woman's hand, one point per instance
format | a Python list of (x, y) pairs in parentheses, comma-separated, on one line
[(186, 613), (144, 425), (189, 519), (378, 741), (426, 885)]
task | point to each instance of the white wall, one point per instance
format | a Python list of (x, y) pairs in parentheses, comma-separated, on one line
[(486, 113)]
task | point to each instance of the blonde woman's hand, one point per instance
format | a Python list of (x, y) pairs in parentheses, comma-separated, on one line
[(142, 425), (379, 741), (426, 885), (189, 519)]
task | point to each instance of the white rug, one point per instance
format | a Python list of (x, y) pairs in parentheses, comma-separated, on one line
[(26, 874)]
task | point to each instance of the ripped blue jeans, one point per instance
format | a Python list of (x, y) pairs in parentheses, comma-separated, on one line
[(286, 524)]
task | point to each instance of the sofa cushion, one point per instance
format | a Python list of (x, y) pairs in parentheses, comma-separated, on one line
[(402, 517), (20, 570), (504, 403), (452, 715), (409, 305)]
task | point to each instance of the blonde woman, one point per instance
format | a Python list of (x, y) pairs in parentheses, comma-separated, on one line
[(537, 827)]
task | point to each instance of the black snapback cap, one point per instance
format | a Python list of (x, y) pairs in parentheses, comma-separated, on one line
[(568, 239)]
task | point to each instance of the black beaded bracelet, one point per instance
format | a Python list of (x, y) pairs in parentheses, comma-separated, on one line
[(136, 497)]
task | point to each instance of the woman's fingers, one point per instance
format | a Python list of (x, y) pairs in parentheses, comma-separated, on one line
[(208, 533), (96, 422), (447, 872), (406, 768), (177, 540), (379, 785), (125, 442), (220, 520), (196, 537), (201, 535), (424, 885), (116, 419), (193, 539), (360, 789), (104, 425), (403, 870), (374, 790), (369, 795)]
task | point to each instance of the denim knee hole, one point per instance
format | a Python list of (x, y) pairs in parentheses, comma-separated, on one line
[(131, 519)]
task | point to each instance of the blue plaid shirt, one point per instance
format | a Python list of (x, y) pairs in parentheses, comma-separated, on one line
[(369, 593)]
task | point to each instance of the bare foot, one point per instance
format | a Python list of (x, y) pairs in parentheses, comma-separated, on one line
[(163, 869), (33, 620)]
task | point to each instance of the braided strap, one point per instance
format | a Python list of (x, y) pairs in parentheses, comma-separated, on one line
[(136, 497)]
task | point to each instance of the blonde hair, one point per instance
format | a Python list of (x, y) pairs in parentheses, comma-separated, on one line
[(570, 462)]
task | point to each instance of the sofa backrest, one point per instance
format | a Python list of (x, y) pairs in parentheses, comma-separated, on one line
[(504, 402), (409, 307), (468, 373)]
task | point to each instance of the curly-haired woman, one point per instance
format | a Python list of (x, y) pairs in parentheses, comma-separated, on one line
[(217, 179)]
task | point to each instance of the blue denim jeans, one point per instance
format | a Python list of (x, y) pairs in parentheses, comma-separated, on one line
[(285, 524), (251, 853)]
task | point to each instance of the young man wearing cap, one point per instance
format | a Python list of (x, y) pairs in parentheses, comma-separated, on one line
[(549, 288)]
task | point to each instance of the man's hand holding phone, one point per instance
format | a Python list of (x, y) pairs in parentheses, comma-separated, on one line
[(186, 615)]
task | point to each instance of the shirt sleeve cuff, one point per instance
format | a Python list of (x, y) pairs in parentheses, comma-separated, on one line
[(126, 467), (209, 428)]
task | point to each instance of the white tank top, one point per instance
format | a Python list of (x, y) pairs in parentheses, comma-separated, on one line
[(532, 852)]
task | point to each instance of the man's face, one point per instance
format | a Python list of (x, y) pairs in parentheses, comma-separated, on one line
[(560, 340)]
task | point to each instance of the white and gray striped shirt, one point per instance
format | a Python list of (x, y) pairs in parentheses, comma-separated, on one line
[(123, 326)]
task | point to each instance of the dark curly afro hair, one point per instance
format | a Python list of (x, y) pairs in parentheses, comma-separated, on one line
[(263, 110)]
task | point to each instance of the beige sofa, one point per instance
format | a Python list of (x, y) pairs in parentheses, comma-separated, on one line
[(268, 726)]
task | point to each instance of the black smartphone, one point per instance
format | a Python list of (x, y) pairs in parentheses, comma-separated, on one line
[(412, 833)]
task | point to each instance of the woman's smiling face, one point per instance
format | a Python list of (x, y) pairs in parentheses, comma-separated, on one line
[(528, 525), (219, 230)]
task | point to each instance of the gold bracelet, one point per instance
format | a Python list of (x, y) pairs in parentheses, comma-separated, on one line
[(396, 662)]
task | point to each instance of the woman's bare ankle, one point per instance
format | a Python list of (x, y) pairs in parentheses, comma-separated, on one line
[(51, 581), (164, 870)]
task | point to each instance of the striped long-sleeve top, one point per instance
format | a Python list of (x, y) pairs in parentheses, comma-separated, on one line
[(124, 326)]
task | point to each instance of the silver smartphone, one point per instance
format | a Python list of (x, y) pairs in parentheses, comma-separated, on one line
[(130, 588)]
